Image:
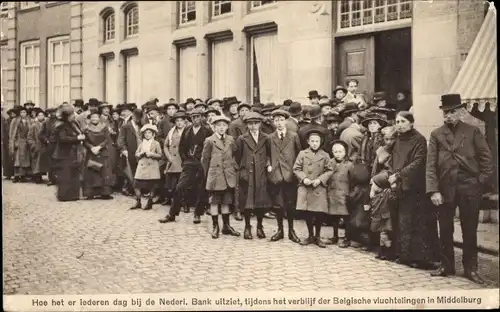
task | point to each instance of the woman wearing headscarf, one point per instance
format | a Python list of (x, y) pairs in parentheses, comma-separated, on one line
[(416, 221), (68, 138), (98, 172), (18, 144)]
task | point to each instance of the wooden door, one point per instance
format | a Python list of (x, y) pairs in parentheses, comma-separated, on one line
[(356, 59)]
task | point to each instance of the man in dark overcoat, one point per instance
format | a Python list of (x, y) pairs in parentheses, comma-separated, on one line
[(129, 137), (459, 167), (192, 175), (283, 147)]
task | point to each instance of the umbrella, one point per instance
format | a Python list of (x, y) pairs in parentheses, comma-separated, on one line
[(128, 171)]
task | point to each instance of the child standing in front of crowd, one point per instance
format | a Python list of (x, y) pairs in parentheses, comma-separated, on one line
[(313, 171), (147, 174), (338, 190), (219, 165)]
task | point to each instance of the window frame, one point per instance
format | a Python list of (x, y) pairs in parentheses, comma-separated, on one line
[(374, 8), (51, 65), (181, 13), (107, 30), (25, 5), (257, 5), (24, 67), (4, 8), (127, 12), (219, 4)]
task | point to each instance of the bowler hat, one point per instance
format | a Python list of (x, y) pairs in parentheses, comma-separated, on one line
[(212, 110), (178, 115), (149, 127), (230, 101), (93, 102), (339, 88), (280, 112), (129, 106), (171, 104), (223, 118), (389, 113), (190, 100), (380, 118), (103, 105), (78, 103), (451, 101), (333, 117), (295, 109), (287, 102), (313, 94), (196, 111), (212, 101), (201, 105), (11, 110), (317, 131), (315, 111), (347, 112), (252, 116), (268, 108)]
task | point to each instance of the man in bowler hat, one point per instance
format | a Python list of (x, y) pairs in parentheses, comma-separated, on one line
[(459, 167)]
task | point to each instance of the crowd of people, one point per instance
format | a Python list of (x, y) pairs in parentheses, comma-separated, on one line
[(357, 166)]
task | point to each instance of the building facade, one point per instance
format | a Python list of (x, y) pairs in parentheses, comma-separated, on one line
[(259, 51)]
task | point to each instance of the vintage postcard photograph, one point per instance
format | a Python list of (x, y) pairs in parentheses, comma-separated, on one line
[(249, 155)]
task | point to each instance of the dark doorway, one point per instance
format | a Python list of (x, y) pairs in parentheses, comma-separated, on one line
[(393, 62)]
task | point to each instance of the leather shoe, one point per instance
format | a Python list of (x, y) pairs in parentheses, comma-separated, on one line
[(292, 236), (228, 230), (277, 236), (308, 241), (268, 215), (168, 218), (149, 205), (247, 234), (320, 243), (137, 205), (215, 232), (196, 219), (473, 276), (442, 271), (238, 216), (260, 233)]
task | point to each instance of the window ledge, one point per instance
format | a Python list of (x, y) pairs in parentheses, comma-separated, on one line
[(33, 8), (130, 37), (186, 25), (55, 3), (109, 42), (264, 7), (221, 17)]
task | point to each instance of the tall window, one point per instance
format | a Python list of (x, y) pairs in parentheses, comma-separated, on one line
[(4, 7), (109, 27), (132, 21), (58, 71), (188, 73), (221, 7), (30, 72), (264, 69), (132, 79), (187, 11), (358, 13), (222, 69), (110, 81), (261, 3), (29, 4)]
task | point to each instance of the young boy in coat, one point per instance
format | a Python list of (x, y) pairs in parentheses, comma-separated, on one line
[(220, 169), (283, 146), (252, 156), (313, 171)]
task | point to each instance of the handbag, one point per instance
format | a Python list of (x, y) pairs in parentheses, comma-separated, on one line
[(94, 165)]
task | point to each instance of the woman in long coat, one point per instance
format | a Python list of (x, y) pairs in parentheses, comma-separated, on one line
[(68, 140), (18, 145), (97, 182), (39, 157), (417, 220)]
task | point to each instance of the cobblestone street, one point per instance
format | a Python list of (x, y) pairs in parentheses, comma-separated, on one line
[(90, 247)]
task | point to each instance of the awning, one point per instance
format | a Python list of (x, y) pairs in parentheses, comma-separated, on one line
[(477, 79)]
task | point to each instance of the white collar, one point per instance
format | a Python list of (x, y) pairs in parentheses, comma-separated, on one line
[(218, 135)]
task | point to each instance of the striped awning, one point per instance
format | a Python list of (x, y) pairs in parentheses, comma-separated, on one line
[(477, 79)]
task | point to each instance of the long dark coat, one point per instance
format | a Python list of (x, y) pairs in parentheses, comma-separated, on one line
[(164, 127), (40, 161), (252, 159), (18, 142), (128, 140), (369, 146), (68, 163), (218, 163), (7, 163), (103, 178), (339, 186), (417, 218), (466, 147)]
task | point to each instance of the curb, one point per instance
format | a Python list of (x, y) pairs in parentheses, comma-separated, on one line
[(480, 249)]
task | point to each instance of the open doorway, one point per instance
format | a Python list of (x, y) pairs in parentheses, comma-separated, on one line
[(393, 62)]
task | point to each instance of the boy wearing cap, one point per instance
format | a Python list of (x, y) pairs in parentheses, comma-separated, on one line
[(220, 169), (251, 156), (283, 146)]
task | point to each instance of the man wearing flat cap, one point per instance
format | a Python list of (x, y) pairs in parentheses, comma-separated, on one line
[(459, 169)]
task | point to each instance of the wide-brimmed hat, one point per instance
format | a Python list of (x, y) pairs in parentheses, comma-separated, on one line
[(325, 102), (313, 94), (241, 105), (223, 118), (280, 112), (380, 118), (295, 109), (337, 88), (451, 101), (232, 100), (201, 105), (50, 110), (129, 106), (104, 105), (333, 117), (29, 103), (212, 110), (253, 116), (317, 131), (18, 108), (11, 110), (149, 127), (346, 112), (315, 111), (166, 105), (212, 101), (268, 108), (379, 96), (78, 103), (66, 110), (178, 115)]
